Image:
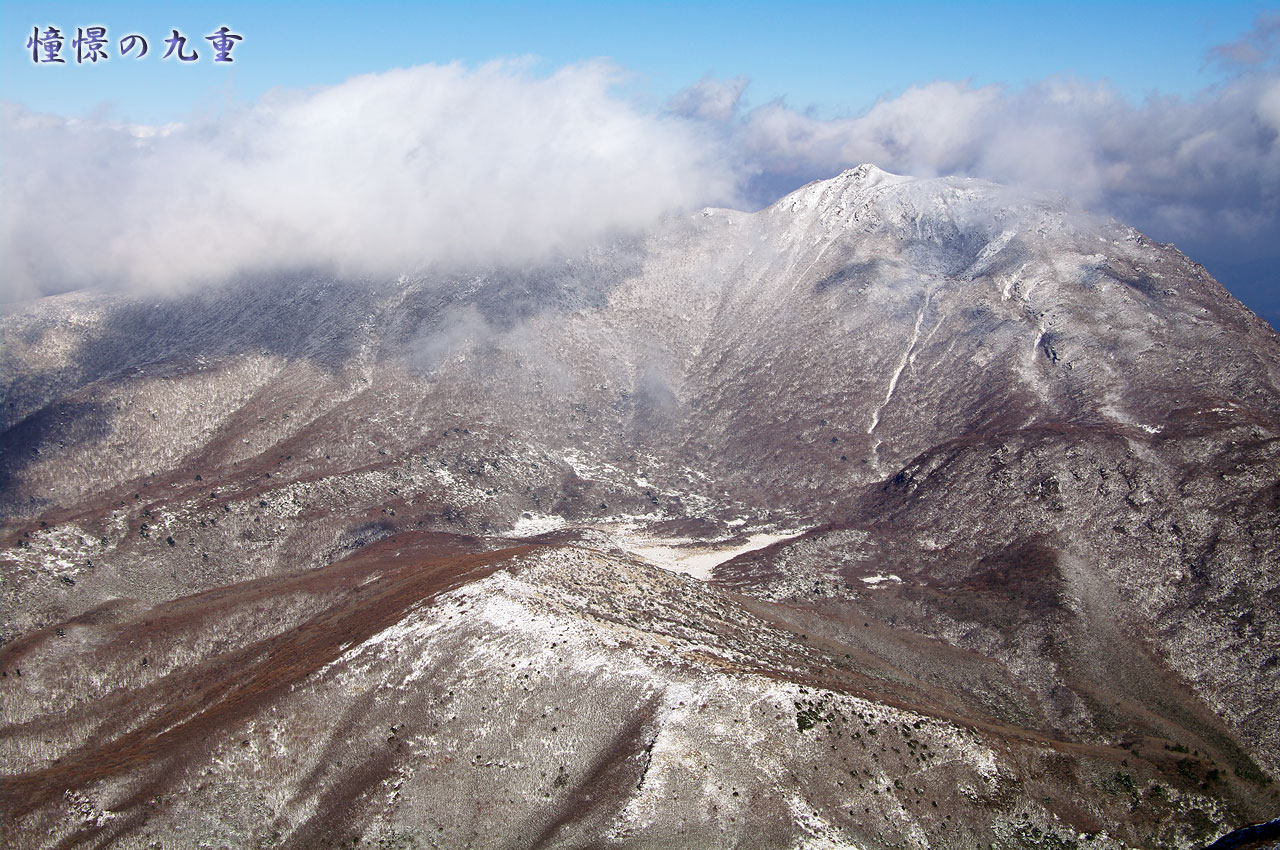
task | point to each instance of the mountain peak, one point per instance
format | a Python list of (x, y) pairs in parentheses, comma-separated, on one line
[(865, 173), (842, 190)]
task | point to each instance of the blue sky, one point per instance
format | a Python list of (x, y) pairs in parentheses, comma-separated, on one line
[(1165, 115), (836, 58)]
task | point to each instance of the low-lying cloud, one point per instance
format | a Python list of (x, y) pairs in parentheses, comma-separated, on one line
[(381, 175), (441, 165)]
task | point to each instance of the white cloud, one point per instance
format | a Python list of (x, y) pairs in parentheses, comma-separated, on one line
[(711, 99), (382, 174), (1255, 48)]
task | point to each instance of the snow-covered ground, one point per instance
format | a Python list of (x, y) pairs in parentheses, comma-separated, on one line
[(691, 557)]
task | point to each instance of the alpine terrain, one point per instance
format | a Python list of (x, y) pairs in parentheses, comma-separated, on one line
[(904, 513)]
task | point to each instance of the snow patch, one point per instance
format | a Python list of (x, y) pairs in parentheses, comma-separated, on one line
[(881, 578), (531, 525), (692, 558)]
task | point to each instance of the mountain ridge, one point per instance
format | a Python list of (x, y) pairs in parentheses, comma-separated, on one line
[(1019, 466)]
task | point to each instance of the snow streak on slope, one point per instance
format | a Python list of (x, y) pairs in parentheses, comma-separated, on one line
[(902, 364)]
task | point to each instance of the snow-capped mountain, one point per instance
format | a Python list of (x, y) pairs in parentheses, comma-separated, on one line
[(905, 512)]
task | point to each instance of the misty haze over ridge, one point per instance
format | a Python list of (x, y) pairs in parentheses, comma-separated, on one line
[(445, 166)]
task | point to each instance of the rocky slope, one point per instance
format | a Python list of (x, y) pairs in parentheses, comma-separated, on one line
[(1018, 469)]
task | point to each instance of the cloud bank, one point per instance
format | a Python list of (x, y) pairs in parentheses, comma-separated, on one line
[(441, 165), (381, 175)]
